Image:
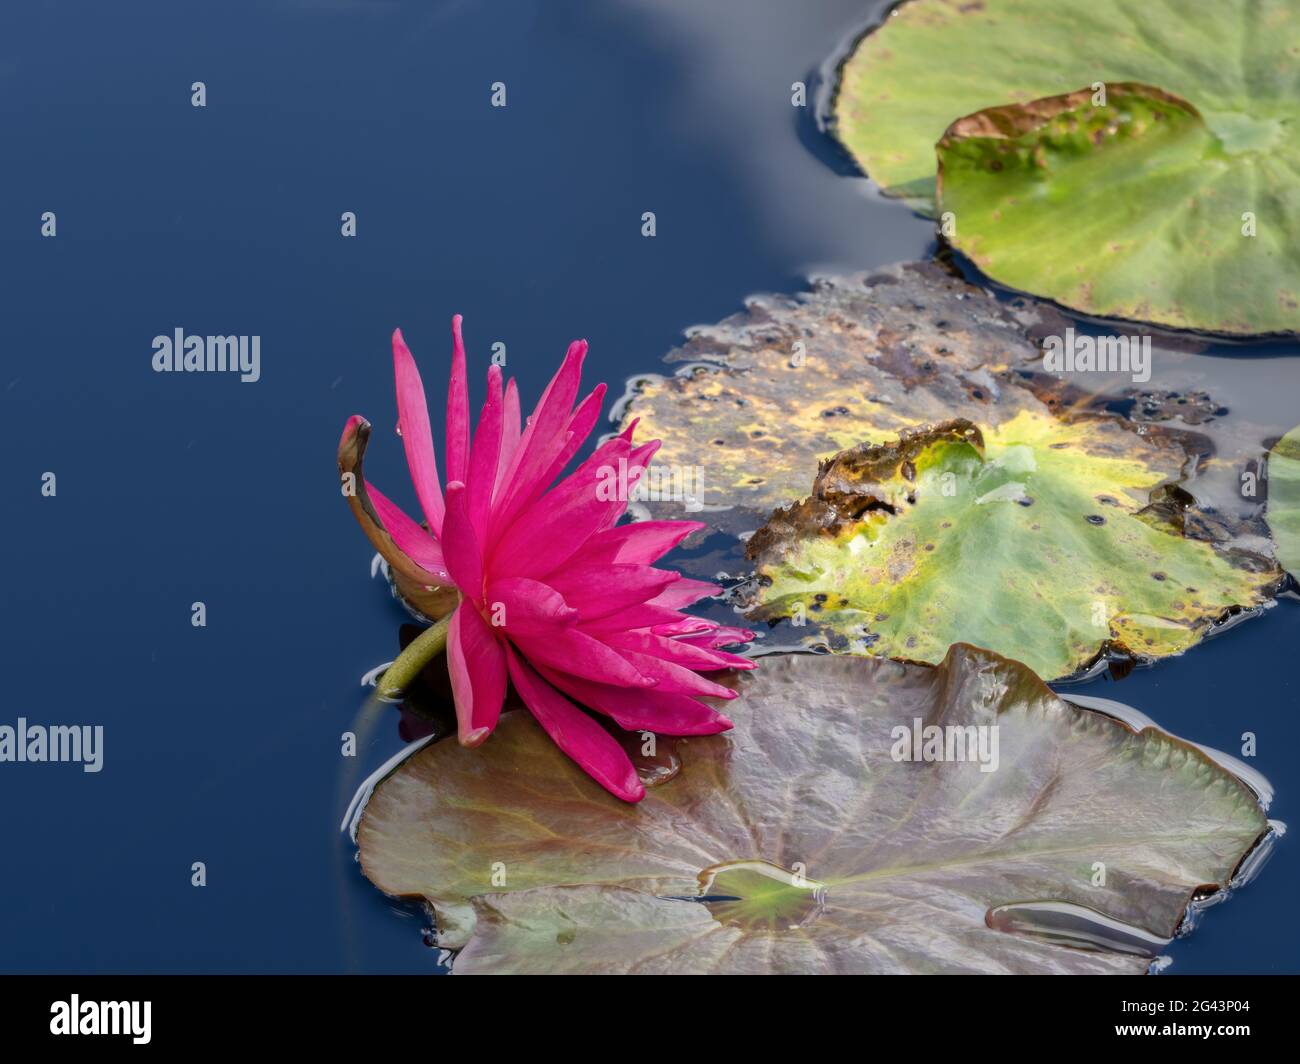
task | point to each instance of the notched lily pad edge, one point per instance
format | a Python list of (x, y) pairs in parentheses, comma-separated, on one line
[(972, 272), (1255, 857), (1199, 898), (926, 204), (1167, 504), (1112, 658)]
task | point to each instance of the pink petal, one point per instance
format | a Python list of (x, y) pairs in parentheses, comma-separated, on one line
[(351, 461), (689, 656), (576, 652), (543, 438), (597, 752), (483, 455), (601, 590), (460, 545), (673, 679), (685, 625), (644, 615), (722, 636), (476, 662), (637, 462), (457, 408), (639, 542), (685, 592), (509, 435), (631, 428), (411, 539), (546, 534), (652, 710), (578, 429), (417, 438), (528, 606), (642, 456)]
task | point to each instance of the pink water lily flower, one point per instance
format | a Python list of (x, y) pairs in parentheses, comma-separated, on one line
[(554, 594)]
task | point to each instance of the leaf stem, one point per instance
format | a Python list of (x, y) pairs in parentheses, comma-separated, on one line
[(422, 650)]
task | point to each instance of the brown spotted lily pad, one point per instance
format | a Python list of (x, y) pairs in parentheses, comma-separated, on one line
[(828, 832), (766, 395), (792, 380), (1056, 541)]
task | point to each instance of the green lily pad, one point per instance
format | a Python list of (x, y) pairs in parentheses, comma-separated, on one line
[(1132, 210), (933, 61), (802, 842), (1054, 541), (1284, 500), (1146, 222)]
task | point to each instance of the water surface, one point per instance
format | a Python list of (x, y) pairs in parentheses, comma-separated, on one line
[(222, 744)]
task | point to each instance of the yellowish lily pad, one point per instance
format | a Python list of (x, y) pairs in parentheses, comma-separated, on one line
[(1055, 541), (792, 380), (1284, 500)]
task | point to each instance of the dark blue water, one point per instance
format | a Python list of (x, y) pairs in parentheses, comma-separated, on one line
[(222, 743)]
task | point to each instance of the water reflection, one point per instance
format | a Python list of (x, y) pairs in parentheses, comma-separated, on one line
[(1077, 926)]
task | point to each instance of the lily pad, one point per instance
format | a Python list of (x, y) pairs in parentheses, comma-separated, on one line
[(768, 393), (1284, 500), (933, 61), (765, 395), (800, 842), (1138, 208), (1056, 541), (1131, 209)]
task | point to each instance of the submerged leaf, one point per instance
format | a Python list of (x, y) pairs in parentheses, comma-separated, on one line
[(1284, 500), (1131, 209), (1048, 540), (802, 842)]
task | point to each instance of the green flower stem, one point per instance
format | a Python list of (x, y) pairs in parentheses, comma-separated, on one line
[(425, 647)]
